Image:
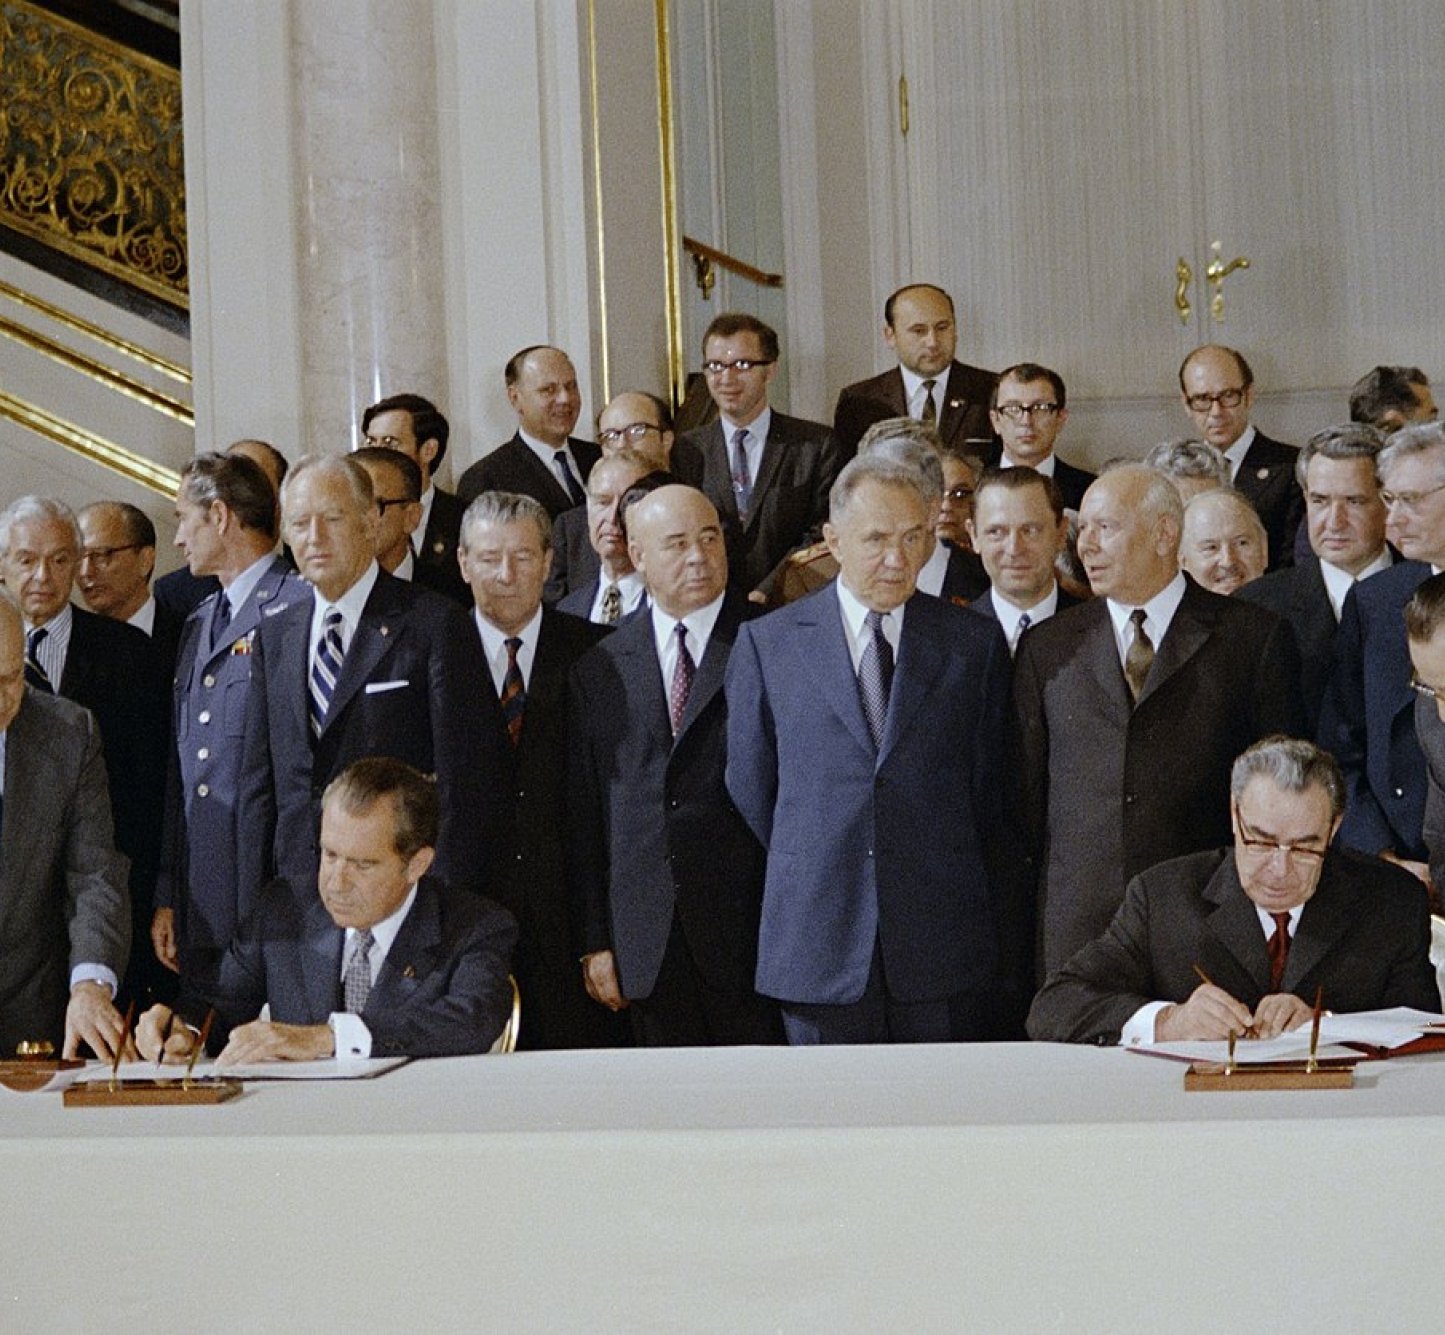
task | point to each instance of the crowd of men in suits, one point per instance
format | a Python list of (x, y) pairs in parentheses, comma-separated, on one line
[(766, 731)]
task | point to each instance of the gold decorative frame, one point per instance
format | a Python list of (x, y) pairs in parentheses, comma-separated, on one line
[(90, 150)]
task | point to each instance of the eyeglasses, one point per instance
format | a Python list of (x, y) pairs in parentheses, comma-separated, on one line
[(958, 493), (742, 365), (1226, 398), (633, 431), (1435, 693), (1410, 500), (385, 505), (1258, 847), (1016, 412), (103, 556)]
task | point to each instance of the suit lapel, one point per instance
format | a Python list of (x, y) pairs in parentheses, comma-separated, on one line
[(1101, 659), (772, 460), (823, 646), (636, 650), (1323, 922), (382, 621), (1235, 925), (716, 461), (411, 956), (921, 660), (710, 672), (1187, 633), (245, 620), (543, 476)]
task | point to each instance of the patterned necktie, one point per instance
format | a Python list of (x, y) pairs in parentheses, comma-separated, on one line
[(1278, 950), (875, 676), (742, 474), (1140, 657), (564, 476), (930, 411), (356, 982), (514, 693), (683, 672), (326, 669), (611, 605), (35, 675), (220, 619)]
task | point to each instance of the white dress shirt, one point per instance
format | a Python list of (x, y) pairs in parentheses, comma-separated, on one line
[(494, 646), (56, 644), (699, 630), (351, 604), (1338, 583), (1158, 613), (935, 571), (350, 1032), (1045, 466), (629, 586), (1010, 616), (548, 455), (1236, 452), (855, 624), (757, 431), (913, 391), (144, 617)]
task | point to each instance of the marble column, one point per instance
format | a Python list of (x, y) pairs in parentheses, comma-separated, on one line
[(368, 210)]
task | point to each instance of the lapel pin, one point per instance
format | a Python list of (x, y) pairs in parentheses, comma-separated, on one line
[(955, 403), (386, 630), (439, 548), (1261, 473), (408, 972)]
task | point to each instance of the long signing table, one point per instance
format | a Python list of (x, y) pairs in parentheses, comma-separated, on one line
[(1005, 1187)]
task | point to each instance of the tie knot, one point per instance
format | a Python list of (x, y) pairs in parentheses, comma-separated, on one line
[(928, 385), (364, 941), (1281, 921), (514, 645), (333, 620), (741, 439), (1136, 619), (680, 630), (35, 637), (874, 621)]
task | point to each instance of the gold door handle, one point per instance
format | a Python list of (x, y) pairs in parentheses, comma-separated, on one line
[(1183, 275), (1215, 274)]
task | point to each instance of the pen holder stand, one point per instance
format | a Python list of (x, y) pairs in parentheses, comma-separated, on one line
[(1215, 1076), (149, 1093)]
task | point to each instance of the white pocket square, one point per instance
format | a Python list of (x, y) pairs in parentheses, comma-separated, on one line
[(377, 687)]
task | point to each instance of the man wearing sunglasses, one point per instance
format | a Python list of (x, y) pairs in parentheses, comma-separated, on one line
[(1242, 940)]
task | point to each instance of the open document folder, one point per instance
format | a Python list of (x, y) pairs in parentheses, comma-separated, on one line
[(1342, 1038), (330, 1069)]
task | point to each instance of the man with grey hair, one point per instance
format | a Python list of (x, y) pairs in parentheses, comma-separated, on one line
[(1192, 465), (1224, 544), (65, 928), (865, 750), (112, 670), (1132, 707), (1345, 526), (368, 665), (1242, 940), (1365, 719)]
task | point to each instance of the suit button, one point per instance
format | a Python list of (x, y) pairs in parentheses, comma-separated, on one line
[(1128, 799), (208, 680), (204, 716), (672, 804), (1399, 792), (204, 753), (203, 790)]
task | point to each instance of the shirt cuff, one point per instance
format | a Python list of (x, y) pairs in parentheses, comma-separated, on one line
[(353, 1038), (95, 973), (1140, 1026)]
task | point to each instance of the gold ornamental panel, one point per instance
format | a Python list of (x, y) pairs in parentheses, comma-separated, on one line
[(90, 150)]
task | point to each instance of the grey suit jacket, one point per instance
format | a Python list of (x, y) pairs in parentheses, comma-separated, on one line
[(442, 990), (63, 897), (1364, 938)]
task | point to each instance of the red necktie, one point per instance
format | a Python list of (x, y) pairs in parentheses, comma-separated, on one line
[(1278, 950)]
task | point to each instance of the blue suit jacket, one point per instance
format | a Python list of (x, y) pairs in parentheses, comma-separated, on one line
[(889, 845), (212, 695), (408, 688), (1368, 719), (442, 990)]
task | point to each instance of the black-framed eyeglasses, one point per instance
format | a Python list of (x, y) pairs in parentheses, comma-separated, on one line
[(1256, 845), (742, 364), (1409, 500), (632, 431), (958, 493), (1226, 398), (1016, 412), (385, 504)]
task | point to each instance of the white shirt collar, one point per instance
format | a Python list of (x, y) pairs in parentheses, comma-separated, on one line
[(494, 647), (406, 567), (244, 585), (1009, 616), (427, 497), (351, 604), (144, 617), (935, 571), (1339, 582), (913, 388), (757, 429), (855, 622), (1044, 466), (383, 935), (630, 586), (1158, 613), (1267, 922), (1236, 452), (548, 455), (699, 630)]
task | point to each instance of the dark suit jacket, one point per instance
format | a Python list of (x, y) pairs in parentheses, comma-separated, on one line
[(891, 847), (655, 834), (409, 688), (1367, 716), (1298, 594), (983, 605), (212, 697), (965, 580), (1364, 937), (114, 671), (442, 990), (964, 415), (1072, 482), (800, 462), (574, 562), (63, 897), (435, 564), (1267, 478), (1109, 787), (181, 592), (513, 467), (1430, 733)]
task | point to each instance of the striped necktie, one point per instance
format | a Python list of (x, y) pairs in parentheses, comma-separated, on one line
[(514, 693), (35, 675), (326, 669)]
